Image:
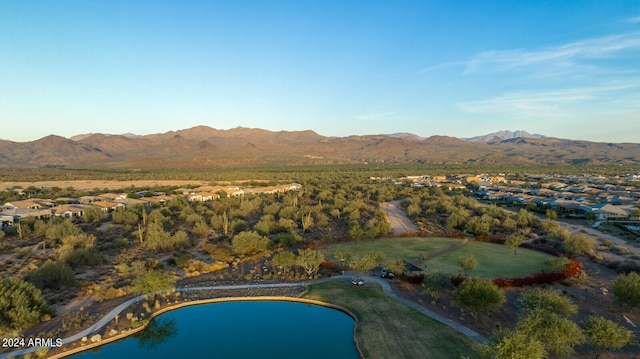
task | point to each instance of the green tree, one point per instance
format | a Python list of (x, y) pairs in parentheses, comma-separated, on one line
[(578, 244), (92, 214), (603, 335), (21, 304), (58, 229), (480, 225), (551, 214), (509, 224), (467, 263), (310, 260), (266, 225), (508, 344), (557, 334), (626, 288), (479, 295), (436, 283), (363, 264), (356, 232), (557, 263), (342, 257), (153, 281), (514, 241), (548, 300), (455, 220), (286, 260), (396, 266), (248, 243), (377, 257), (525, 218), (201, 229)]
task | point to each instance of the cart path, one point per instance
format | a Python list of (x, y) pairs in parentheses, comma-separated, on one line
[(398, 218), (439, 252), (386, 288)]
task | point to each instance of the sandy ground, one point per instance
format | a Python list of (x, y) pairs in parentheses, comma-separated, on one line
[(399, 221)]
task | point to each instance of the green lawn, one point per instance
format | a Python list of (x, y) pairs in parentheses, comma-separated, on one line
[(407, 248), (493, 260), (387, 328)]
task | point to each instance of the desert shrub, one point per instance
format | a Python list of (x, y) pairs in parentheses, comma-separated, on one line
[(626, 288), (288, 239), (182, 261), (548, 300), (153, 281), (247, 243), (121, 242), (53, 275), (159, 240), (4, 245), (84, 257), (578, 244), (58, 229)]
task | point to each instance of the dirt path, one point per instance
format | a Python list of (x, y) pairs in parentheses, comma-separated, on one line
[(399, 220), (440, 252)]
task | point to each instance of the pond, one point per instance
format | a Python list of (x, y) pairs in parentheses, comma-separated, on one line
[(262, 329)]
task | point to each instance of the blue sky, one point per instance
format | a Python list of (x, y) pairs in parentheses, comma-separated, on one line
[(567, 69)]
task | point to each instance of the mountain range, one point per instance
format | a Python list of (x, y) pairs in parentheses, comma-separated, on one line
[(206, 147)]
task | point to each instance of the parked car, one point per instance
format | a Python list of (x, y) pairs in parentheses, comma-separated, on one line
[(357, 281), (387, 274)]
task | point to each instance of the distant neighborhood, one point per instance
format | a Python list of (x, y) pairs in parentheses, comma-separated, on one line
[(598, 198), (14, 211)]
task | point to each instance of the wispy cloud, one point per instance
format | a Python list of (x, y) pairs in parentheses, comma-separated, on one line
[(552, 101), (374, 117), (441, 66), (633, 20), (595, 48)]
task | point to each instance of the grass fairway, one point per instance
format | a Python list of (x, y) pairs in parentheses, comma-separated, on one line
[(493, 260), (387, 328), (407, 248)]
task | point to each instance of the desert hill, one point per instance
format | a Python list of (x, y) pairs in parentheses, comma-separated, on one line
[(206, 147)]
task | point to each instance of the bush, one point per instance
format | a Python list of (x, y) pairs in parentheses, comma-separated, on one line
[(121, 242), (570, 270), (626, 288), (53, 275), (84, 257), (21, 304), (153, 281)]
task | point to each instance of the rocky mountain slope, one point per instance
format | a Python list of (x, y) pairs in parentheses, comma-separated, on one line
[(206, 147)]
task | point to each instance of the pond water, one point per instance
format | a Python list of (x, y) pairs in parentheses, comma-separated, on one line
[(240, 330)]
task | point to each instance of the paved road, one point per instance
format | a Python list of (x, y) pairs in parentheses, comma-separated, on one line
[(383, 284), (399, 221)]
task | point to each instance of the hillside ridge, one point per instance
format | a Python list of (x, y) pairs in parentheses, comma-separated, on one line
[(204, 146)]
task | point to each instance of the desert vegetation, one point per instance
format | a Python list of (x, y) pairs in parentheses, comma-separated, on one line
[(469, 253)]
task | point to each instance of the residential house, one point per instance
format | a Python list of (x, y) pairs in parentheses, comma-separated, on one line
[(202, 197), (112, 196), (107, 206), (609, 212), (69, 210), (21, 213), (31, 203)]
